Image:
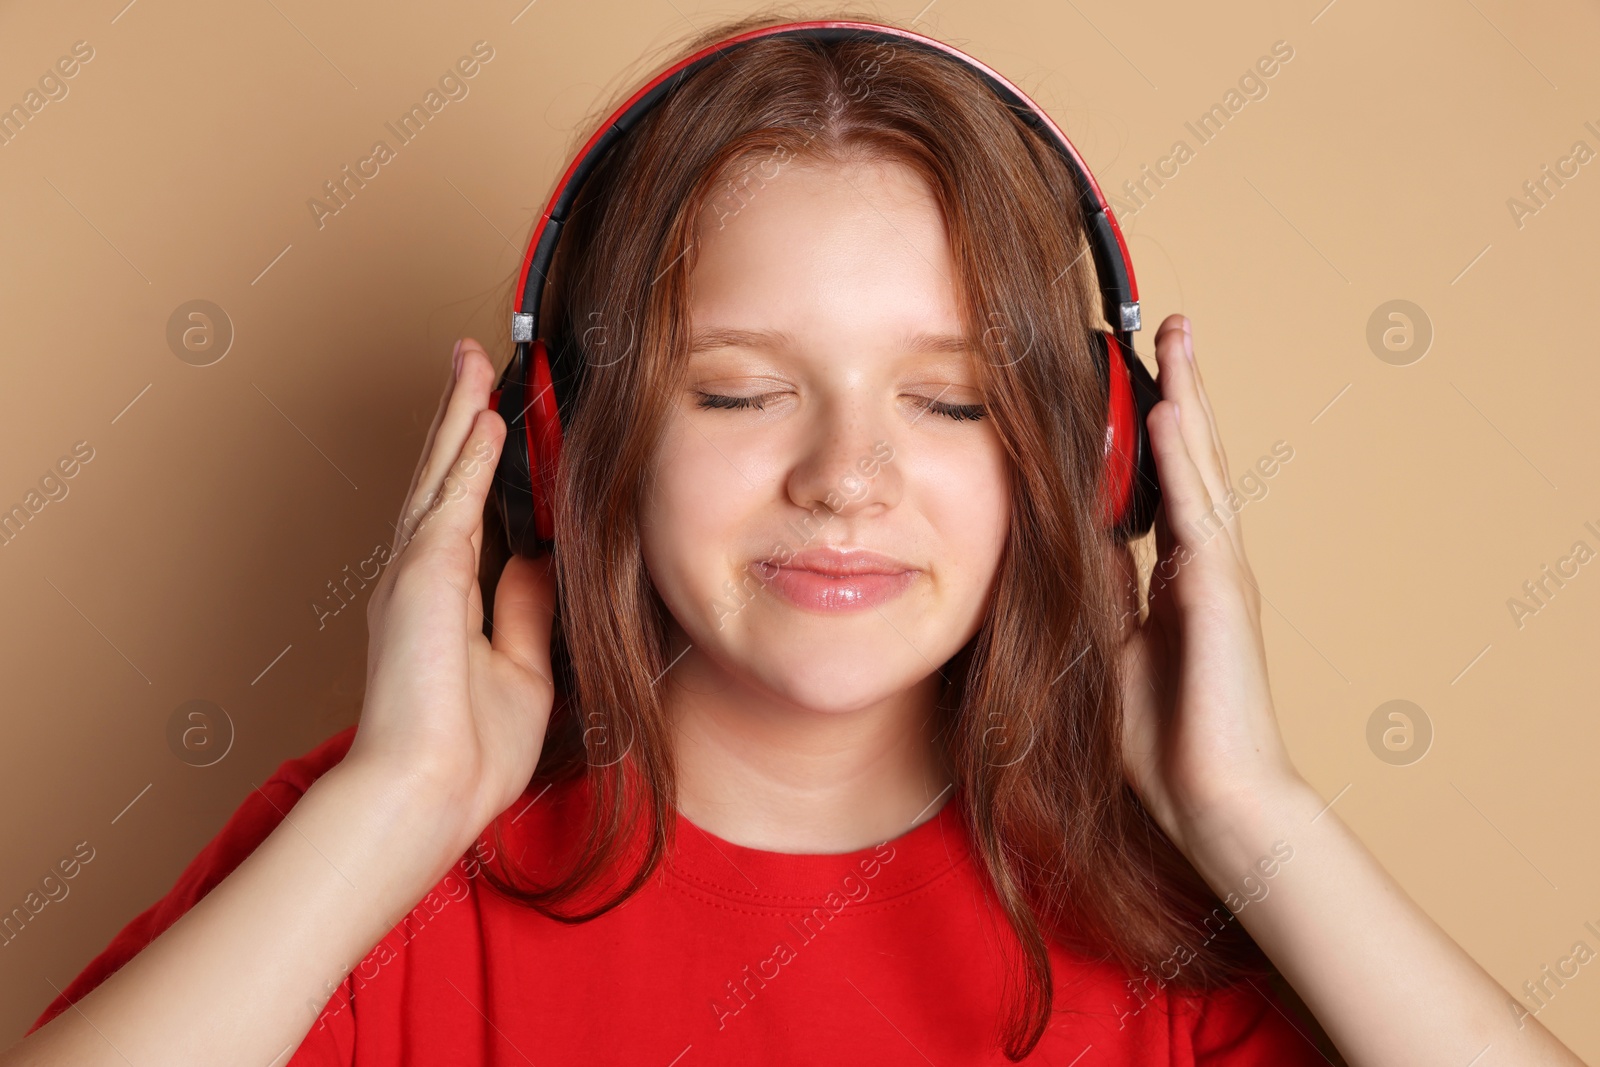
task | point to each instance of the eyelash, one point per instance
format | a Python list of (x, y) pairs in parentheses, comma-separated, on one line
[(954, 412)]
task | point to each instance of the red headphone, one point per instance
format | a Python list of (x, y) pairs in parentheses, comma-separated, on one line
[(530, 397)]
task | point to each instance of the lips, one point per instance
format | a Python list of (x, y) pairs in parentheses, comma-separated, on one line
[(831, 580), (838, 562)]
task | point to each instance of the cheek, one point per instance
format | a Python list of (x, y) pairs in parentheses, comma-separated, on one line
[(963, 489), (690, 518)]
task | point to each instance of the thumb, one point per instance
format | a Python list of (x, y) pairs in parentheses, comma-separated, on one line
[(1125, 573), (524, 607)]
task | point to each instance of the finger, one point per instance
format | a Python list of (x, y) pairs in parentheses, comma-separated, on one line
[(1199, 433), (524, 607), (1191, 516), (1236, 526), (1177, 380), (1126, 569), (474, 587), (455, 516), (1205, 398), (427, 447), (469, 397), (1166, 566)]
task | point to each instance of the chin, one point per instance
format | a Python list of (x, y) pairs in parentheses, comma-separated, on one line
[(835, 676), (825, 693)]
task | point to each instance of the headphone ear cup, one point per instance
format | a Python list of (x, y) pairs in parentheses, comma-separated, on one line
[(543, 444), (524, 479), (512, 486), (1130, 490)]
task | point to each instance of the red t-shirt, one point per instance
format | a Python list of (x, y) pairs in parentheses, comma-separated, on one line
[(728, 955)]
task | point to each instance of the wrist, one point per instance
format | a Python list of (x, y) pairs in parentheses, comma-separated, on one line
[(427, 819), (1229, 836)]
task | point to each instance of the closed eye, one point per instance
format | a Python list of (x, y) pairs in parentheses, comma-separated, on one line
[(958, 412), (717, 400), (955, 412)]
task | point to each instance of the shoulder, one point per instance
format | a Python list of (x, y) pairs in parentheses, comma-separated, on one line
[(257, 815)]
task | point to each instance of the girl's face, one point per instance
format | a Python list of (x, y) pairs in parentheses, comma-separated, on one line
[(822, 417)]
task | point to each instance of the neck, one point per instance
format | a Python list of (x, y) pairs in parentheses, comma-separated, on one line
[(766, 772)]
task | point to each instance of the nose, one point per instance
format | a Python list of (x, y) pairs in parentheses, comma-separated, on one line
[(845, 462)]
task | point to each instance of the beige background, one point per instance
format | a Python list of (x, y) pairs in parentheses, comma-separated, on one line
[(185, 559)]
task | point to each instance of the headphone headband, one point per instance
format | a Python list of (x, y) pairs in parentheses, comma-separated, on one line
[(1112, 264)]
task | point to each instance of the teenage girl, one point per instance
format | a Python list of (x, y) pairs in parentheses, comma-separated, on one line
[(836, 729)]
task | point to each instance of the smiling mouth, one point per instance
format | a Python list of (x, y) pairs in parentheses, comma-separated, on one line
[(823, 592)]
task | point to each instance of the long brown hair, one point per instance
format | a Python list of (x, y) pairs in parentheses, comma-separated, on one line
[(1032, 710)]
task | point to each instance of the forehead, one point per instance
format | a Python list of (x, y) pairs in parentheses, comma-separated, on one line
[(807, 254)]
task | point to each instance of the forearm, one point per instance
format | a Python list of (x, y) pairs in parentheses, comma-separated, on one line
[(1388, 985), (255, 959)]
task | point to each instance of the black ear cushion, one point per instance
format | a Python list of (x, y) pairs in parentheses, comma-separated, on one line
[(1141, 515), (513, 483)]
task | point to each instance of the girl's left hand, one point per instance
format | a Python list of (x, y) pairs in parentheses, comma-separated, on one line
[(1200, 737)]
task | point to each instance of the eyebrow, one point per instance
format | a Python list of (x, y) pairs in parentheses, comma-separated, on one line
[(731, 337)]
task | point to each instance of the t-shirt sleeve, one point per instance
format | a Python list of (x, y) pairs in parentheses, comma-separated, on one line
[(331, 1039), (1247, 1024)]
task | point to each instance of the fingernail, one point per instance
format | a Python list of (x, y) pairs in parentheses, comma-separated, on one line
[(1177, 412), (1188, 340), (455, 359)]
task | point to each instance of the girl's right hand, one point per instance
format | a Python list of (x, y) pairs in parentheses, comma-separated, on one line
[(450, 733), (448, 710)]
